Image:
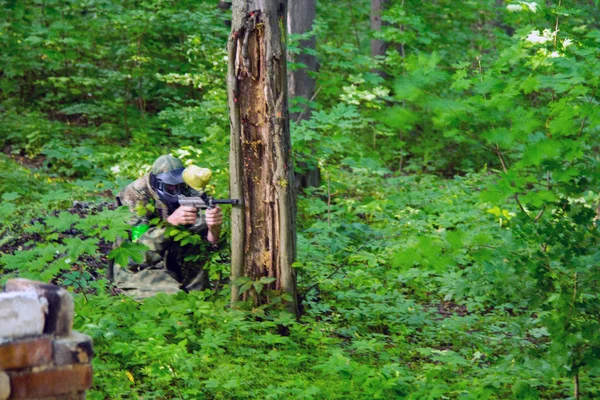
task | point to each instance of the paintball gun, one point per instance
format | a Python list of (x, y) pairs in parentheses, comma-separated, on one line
[(197, 178), (204, 201)]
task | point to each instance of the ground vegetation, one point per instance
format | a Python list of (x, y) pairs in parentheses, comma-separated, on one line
[(451, 249)]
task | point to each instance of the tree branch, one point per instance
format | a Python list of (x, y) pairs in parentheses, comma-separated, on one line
[(501, 157), (311, 99)]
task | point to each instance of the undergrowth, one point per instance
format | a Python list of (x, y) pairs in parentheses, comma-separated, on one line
[(406, 286), (451, 251)]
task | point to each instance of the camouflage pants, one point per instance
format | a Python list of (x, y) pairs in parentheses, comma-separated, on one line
[(163, 270)]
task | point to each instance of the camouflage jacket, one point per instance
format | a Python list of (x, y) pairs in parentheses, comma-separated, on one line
[(139, 196), (148, 209)]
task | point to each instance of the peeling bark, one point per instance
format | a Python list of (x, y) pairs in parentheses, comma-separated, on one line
[(263, 229)]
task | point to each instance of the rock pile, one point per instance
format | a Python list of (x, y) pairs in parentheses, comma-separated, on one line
[(41, 357)]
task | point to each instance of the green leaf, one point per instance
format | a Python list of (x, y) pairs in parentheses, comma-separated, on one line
[(499, 136), (531, 84), (566, 175), (10, 196), (241, 280), (524, 391), (77, 247), (19, 261), (246, 286), (455, 239), (62, 222), (537, 152), (56, 196), (460, 83), (7, 210), (127, 250), (108, 225), (399, 118), (538, 199), (53, 269)]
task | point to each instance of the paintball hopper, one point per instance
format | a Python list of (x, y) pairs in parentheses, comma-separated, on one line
[(197, 178)]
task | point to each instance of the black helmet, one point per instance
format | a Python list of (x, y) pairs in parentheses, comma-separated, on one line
[(166, 179)]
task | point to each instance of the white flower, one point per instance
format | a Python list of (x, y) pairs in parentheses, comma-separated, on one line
[(116, 169), (532, 5), (68, 261), (381, 91), (554, 54), (535, 37), (368, 96), (522, 5), (566, 43)]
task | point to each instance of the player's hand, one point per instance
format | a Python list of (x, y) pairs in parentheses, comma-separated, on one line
[(184, 215), (214, 217)]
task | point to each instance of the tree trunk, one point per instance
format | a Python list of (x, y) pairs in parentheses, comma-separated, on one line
[(301, 16), (378, 46), (264, 228), (225, 5)]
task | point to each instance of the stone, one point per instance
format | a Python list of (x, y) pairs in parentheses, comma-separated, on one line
[(51, 382), (21, 314), (61, 309), (25, 353), (74, 349), (4, 386)]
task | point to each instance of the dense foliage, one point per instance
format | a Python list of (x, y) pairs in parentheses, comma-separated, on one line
[(451, 250)]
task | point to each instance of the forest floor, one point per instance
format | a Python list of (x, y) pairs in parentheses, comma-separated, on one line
[(95, 265), (420, 307)]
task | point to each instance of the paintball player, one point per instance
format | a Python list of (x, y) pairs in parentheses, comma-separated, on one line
[(153, 200)]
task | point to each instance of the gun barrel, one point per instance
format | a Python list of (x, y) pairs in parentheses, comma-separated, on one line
[(194, 202), (226, 201), (204, 202)]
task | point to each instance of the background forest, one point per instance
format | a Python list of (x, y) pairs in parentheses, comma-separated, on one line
[(450, 251)]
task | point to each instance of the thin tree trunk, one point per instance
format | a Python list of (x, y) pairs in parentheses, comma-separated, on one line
[(64, 46), (264, 228), (126, 97), (141, 100), (354, 22), (301, 16), (378, 46)]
